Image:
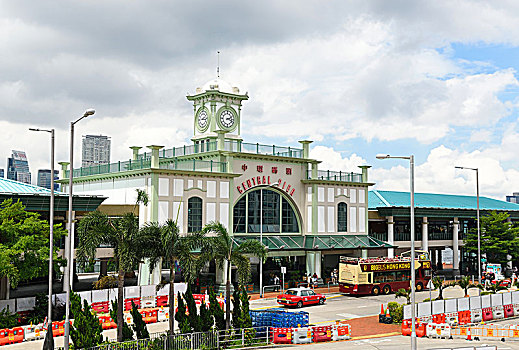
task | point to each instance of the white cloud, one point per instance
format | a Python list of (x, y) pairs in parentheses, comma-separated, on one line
[(333, 160)]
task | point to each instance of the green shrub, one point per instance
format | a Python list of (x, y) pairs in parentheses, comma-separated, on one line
[(396, 311), (8, 319), (139, 326)]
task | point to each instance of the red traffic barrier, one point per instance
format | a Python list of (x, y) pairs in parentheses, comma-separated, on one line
[(322, 333), (487, 314), (107, 322), (128, 303), (11, 336), (282, 335), (508, 310), (58, 328), (149, 316), (101, 306), (162, 300)]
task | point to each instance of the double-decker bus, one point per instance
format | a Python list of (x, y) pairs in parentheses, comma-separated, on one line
[(364, 276)]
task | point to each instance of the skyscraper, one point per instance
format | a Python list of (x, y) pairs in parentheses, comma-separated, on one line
[(514, 198), (18, 167), (44, 178), (96, 150)]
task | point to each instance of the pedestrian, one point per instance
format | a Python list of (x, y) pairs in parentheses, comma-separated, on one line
[(332, 275), (314, 279), (336, 276), (276, 281)]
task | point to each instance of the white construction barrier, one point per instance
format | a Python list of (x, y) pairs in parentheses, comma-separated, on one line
[(451, 318), (476, 315), (302, 335), (163, 314), (497, 299), (34, 332), (441, 330), (498, 312)]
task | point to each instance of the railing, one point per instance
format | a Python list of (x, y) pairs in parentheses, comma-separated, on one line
[(406, 236), (142, 163), (382, 236), (280, 151), (335, 176), (234, 338), (436, 236), (187, 150)]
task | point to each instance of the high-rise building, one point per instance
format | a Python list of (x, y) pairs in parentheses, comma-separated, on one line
[(96, 150), (18, 167), (44, 178), (514, 198)]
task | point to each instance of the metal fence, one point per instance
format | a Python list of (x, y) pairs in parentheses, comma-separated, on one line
[(234, 338)]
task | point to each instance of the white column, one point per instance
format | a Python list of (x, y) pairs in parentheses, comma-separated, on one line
[(310, 262), (390, 236), (317, 264), (455, 245), (425, 234)]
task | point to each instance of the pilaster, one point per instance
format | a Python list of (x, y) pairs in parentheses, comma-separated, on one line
[(455, 245), (390, 236), (425, 234), (135, 152)]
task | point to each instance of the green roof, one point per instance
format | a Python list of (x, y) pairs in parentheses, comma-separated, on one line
[(36, 198), (317, 242), (387, 199)]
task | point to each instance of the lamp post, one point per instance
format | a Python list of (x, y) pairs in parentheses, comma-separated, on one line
[(477, 218), (411, 185), (51, 225), (70, 239), (261, 234)]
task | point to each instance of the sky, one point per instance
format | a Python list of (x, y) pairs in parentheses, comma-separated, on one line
[(436, 79)]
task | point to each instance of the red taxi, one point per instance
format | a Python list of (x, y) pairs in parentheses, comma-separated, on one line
[(300, 297)]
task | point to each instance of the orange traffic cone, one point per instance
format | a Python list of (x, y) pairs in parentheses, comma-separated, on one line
[(381, 309), (387, 312), (469, 337)]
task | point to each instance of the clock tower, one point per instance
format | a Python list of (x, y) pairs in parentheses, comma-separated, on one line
[(217, 110)]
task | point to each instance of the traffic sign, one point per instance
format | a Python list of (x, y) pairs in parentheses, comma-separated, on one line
[(283, 269)]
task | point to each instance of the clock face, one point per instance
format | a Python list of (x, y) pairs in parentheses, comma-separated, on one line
[(202, 119), (227, 118)]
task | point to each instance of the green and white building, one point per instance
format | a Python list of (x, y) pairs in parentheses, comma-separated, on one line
[(308, 216)]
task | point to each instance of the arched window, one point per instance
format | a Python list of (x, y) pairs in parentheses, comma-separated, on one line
[(194, 214), (342, 217), (267, 208)]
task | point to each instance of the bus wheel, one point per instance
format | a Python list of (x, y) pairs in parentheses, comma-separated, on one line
[(419, 287), (387, 289), (375, 291)]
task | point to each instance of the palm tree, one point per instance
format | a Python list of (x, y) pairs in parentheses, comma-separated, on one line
[(164, 241), (226, 253), (439, 283), (404, 293), (120, 233), (491, 288), (465, 284)]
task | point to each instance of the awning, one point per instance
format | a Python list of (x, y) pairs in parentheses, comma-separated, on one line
[(316, 242), (323, 242)]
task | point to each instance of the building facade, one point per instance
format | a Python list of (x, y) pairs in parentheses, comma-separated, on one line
[(44, 178), (307, 216), (18, 167), (95, 150), (441, 223)]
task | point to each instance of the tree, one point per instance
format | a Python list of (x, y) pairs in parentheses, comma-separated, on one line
[(127, 332), (122, 234), (86, 332), (499, 238), (245, 319), (24, 243), (466, 284), (206, 319), (222, 248), (164, 241), (181, 317), (491, 288), (139, 326), (194, 319), (236, 309), (216, 311), (440, 284), (404, 293)]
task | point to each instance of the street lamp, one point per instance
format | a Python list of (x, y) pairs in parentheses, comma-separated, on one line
[(51, 226), (477, 213), (261, 235), (411, 176), (70, 239)]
